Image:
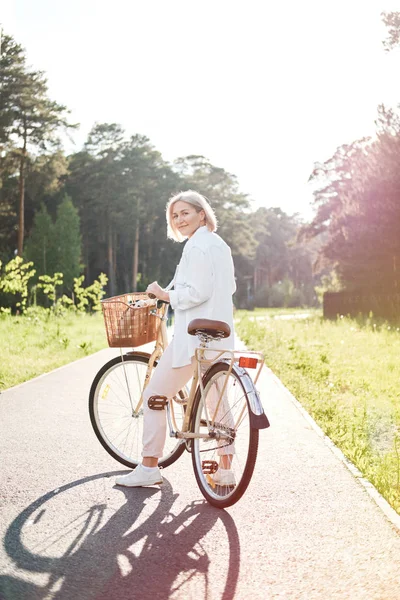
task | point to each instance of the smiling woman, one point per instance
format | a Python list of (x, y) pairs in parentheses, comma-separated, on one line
[(186, 212), (204, 283), (187, 219)]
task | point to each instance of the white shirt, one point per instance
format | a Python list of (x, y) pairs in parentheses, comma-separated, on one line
[(203, 286)]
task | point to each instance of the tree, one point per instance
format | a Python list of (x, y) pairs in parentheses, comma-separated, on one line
[(78, 185), (45, 176), (12, 67), (392, 22), (149, 181), (358, 210), (121, 187), (104, 146), (8, 203), (67, 243), (29, 118), (40, 246)]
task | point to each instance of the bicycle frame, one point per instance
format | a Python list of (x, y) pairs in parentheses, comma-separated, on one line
[(231, 357)]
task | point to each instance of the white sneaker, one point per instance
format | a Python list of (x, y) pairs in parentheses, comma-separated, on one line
[(139, 477), (224, 477)]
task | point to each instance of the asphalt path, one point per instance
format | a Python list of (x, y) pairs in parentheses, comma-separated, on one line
[(305, 529)]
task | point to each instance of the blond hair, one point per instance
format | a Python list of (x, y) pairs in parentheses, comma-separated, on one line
[(199, 202)]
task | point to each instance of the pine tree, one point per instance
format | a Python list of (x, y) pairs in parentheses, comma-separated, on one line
[(68, 242), (27, 115), (40, 246)]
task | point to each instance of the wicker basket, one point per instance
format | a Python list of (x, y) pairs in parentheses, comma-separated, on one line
[(127, 326)]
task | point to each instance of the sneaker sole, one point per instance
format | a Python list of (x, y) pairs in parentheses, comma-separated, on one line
[(231, 485), (139, 484)]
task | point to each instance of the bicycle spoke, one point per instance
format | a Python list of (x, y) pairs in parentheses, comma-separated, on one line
[(120, 431), (227, 457)]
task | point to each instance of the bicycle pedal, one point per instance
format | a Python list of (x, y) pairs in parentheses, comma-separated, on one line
[(209, 467), (157, 402)]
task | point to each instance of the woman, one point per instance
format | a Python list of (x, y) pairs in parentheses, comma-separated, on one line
[(203, 286)]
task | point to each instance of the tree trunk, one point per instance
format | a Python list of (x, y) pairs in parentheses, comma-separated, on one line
[(126, 279), (135, 257), (44, 255), (87, 266), (21, 216), (114, 258), (110, 257)]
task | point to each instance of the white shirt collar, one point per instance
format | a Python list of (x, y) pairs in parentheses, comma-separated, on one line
[(200, 231)]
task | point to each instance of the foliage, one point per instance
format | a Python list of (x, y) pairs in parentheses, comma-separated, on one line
[(346, 375), (50, 284), (68, 242), (56, 246), (118, 186), (29, 119), (392, 22), (89, 297), (329, 283), (281, 294), (95, 292), (41, 245), (282, 267), (356, 193), (14, 280)]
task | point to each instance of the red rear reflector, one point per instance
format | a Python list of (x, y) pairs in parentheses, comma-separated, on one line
[(249, 363)]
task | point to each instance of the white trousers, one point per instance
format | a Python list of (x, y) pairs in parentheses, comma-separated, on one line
[(168, 381), (165, 381)]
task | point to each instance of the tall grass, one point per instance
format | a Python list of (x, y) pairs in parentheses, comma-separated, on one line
[(347, 375), (35, 344)]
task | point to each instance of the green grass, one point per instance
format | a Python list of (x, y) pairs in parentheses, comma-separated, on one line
[(276, 312), (347, 375), (32, 345)]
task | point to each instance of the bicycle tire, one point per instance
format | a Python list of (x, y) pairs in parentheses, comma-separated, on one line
[(217, 495), (130, 459)]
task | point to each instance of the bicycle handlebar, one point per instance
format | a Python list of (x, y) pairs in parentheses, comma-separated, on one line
[(152, 296)]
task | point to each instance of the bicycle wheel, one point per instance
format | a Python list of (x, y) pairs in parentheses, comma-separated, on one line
[(115, 390), (237, 454)]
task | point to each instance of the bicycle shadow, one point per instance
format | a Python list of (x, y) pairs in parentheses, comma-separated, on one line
[(161, 557)]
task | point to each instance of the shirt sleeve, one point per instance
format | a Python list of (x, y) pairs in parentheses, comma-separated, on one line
[(198, 285)]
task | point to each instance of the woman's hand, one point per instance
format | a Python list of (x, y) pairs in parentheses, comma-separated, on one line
[(154, 288)]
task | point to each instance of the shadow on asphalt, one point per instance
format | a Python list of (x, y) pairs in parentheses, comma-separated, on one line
[(108, 557)]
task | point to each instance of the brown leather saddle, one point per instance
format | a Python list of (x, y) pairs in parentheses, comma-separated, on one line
[(214, 329)]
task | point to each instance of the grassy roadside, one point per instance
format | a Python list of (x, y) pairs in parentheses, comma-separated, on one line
[(276, 312), (30, 346), (346, 374)]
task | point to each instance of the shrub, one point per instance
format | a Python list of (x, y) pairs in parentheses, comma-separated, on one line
[(14, 281)]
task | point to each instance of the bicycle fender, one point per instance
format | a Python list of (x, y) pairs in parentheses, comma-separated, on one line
[(138, 352), (258, 418)]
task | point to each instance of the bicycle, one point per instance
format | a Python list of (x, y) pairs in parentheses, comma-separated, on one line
[(217, 420)]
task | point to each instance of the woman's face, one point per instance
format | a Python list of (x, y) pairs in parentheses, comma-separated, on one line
[(185, 218)]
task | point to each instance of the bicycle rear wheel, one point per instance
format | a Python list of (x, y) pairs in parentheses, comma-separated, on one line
[(116, 388), (237, 454)]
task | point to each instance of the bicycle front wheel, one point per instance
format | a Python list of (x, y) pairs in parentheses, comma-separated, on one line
[(117, 416), (224, 459)]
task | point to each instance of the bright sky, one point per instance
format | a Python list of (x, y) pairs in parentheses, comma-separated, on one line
[(261, 88)]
